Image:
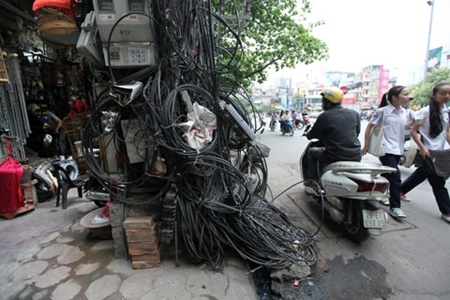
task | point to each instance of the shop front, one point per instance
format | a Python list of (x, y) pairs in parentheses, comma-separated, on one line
[(38, 85)]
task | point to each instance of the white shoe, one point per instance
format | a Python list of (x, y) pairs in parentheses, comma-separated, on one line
[(405, 198), (385, 202), (446, 217), (397, 213)]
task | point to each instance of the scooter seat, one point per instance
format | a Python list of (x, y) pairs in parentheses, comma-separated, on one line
[(358, 167)]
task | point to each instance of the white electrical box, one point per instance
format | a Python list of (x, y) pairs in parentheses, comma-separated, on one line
[(132, 28), (132, 40), (134, 141), (130, 55), (88, 44)]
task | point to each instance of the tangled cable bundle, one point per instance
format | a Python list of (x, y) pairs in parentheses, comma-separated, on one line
[(207, 188)]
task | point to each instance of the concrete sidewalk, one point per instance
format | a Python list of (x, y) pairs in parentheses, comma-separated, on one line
[(47, 254)]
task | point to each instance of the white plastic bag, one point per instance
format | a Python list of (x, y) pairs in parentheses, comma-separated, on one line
[(200, 127)]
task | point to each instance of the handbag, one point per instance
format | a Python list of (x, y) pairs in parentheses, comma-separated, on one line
[(441, 162), (410, 154), (376, 139)]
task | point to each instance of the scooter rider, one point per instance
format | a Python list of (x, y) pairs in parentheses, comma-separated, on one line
[(337, 129), (273, 120)]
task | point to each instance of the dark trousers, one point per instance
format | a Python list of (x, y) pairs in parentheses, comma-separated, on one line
[(437, 184), (282, 126), (316, 161), (62, 143), (394, 179)]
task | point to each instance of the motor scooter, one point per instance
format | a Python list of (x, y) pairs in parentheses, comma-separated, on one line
[(304, 121), (251, 162), (350, 193), (273, 124), (287, 127)]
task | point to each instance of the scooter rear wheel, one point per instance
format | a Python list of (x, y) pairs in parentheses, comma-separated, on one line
[(272, 126), (353, 223)]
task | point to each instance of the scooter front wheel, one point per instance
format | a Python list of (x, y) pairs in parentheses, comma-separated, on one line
[(353, 223), (291, 131), (254, 173)]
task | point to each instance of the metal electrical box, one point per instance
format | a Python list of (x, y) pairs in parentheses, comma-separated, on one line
[(88, 43), (126, 29), (130, 55)]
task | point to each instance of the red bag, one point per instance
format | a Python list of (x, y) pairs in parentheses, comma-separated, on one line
[(11, 197)]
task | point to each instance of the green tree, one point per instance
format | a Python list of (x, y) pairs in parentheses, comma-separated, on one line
[(273, 33), (421, 91)]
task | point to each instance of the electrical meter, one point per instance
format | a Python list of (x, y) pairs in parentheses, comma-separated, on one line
[(132, 28), (126, 29), (130, 55)]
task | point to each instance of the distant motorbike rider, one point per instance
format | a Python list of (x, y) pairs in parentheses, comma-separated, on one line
[(273, 120), (284, 117), (337, 129), (295, 118)]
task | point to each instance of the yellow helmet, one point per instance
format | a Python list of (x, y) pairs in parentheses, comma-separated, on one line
[(332, 94)]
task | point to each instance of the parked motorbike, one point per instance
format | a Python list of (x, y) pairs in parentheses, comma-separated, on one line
[(254, 168), (287, 127), (251, 162), (350, 193), (95, 192)]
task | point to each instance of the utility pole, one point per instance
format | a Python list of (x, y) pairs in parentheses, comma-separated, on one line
[(427, 57)]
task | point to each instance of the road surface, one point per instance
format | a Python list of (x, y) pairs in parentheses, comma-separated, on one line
[(409, 261)]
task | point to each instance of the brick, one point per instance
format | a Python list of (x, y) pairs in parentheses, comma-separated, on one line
[(147, 257), (140, 232), (144, 245), (134, 252), (139, 222), (144, 238), (141, 248), (145, 264)]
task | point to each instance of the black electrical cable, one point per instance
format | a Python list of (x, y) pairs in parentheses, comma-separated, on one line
[(221, 186)]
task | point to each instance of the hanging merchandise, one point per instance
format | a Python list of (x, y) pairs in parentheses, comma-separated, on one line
[(56, 21), (3, 71), (13, 117)]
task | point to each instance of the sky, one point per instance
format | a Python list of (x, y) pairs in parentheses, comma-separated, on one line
[(393, 33)]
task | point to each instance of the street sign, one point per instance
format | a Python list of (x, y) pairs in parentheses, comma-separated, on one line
[(344, 89)]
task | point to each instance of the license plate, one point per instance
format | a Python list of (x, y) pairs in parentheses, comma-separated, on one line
[(374, 218)]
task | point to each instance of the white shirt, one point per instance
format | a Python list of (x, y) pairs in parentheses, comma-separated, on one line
[(438, 143), (286, 117), (394, 127), (410, 113)]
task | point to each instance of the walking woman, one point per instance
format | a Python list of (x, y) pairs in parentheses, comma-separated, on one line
[(393, 117), (432, 123)]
